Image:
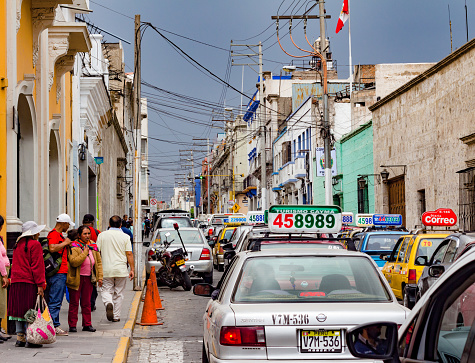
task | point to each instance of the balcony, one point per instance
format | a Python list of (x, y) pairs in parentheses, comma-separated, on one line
[(300, 168)]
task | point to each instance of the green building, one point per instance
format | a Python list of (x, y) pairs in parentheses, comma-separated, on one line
[(353, 186)]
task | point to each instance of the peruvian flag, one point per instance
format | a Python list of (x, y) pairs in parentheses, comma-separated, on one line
[(344, 15)]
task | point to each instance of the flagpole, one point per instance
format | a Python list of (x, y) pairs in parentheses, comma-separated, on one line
[(349, 40)]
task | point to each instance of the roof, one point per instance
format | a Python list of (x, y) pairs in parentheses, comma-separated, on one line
[(452, 57), (301, 252)]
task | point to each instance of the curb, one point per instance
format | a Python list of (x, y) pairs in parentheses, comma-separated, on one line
[(122, 351)]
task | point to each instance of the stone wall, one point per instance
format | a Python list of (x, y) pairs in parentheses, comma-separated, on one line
[(420, 126)]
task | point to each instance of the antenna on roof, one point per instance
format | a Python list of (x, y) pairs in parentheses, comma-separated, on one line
[(466, 18), (450, 27)]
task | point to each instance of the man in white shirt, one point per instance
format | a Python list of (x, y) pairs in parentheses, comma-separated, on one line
[(116, 251)]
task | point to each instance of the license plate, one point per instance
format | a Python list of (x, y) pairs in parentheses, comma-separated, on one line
[(180, 262), (320, 341)]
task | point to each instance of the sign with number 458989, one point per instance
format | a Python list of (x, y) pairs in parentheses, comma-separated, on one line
[(297, 219)]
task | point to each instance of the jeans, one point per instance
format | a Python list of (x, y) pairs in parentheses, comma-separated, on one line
[(57, 289), (20, 327)]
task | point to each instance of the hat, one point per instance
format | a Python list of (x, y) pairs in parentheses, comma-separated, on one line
[(64, 218), (30, 228), (88, 218)]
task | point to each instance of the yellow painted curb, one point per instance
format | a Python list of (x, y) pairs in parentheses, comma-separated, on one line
[(122, 351)]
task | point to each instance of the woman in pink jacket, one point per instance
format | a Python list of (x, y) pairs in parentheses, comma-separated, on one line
[(4, 282)]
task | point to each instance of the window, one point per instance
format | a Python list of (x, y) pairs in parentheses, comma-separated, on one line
[(295, 151), (300, 144), (402, 251), (286, 152), (450, 254), (363, 202), (439, 253)]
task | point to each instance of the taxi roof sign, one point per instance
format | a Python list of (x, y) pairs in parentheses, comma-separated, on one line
[(387, 219), (347, 218), (442, 217), (364, 220), (304, 218), (256, 217)]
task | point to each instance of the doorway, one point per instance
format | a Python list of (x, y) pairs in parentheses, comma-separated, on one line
[(397, 197)]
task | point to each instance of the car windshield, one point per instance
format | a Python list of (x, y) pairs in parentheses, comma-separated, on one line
[(382, 242), (427, 246), (188, 236), (291, 245), (309, 278), (169, 222), (228, 233)]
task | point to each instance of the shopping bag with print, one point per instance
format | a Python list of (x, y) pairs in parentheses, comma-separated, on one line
[(42, 330)]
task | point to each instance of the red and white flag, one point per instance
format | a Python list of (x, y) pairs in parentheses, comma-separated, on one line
[(344, 15)]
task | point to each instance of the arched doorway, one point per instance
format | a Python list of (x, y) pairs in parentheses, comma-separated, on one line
[(26, 162), (54, 179)]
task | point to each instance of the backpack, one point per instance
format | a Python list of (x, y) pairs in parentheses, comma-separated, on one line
[(52, 260)]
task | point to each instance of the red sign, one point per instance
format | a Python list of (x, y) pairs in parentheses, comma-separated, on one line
[(441, 217)]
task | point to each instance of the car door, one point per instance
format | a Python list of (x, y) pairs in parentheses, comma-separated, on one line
[(396, 275), (451, 326), (391, 259)]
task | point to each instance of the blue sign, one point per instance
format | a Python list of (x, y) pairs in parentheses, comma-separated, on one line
[(387, 219), (99, 160)]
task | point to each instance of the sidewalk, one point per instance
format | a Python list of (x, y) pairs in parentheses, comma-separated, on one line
[(100, 346)]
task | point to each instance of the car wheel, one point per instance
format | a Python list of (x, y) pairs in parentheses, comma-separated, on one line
[(204, 357), (208, 278), (220, 267)]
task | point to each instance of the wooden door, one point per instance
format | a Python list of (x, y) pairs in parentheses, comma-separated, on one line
[(397, 197)]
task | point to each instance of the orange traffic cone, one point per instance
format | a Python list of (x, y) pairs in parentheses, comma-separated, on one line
[(156, 295), (149, 314)]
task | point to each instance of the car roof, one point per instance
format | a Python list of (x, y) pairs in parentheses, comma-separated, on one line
[(385, 232), (181, 229), (276, 252)]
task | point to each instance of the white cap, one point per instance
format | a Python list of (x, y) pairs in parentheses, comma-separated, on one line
[(64, 218)]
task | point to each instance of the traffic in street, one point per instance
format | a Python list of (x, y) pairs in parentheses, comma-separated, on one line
[(311, 283)]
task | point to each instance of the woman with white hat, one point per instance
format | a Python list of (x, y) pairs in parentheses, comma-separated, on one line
[(27, 279)]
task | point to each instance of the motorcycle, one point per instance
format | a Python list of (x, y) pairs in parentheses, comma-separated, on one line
[(173, 272)]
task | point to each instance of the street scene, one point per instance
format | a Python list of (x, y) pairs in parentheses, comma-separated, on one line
[(230, 182)]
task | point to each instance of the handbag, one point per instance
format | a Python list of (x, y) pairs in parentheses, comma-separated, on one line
[(41, 331)]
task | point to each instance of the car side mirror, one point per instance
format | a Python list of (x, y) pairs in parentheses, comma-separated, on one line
[(203, 289), (223, 241), (421, 261), (146, 244), (375, 341), (436, 270), (384, 257), (229, 254), (228, 247)]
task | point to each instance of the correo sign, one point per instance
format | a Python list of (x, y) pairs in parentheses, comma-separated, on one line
[(442, 217)]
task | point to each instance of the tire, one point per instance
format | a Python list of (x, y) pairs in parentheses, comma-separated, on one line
[(186, 281), (165, 278), (220, 267), (204, 357), (147, 276), (208, 278)]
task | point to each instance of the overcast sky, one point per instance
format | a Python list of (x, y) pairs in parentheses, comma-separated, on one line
[(405, 31)]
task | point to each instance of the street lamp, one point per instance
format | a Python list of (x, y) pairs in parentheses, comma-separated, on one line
[(289, 68), (384, 175)]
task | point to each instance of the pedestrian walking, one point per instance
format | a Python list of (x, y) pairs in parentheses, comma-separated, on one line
[(27, 279), (88, 220), (116, 252), (85, 270), (57, 283), (125, 221), (4, 281)]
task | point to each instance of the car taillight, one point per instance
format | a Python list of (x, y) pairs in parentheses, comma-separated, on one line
[(412, 276), (205, 254), (243, 336), (210, 231)]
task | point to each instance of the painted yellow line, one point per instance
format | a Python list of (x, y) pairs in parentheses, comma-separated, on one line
[(122, 350)]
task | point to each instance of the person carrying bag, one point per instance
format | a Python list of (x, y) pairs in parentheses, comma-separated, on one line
[(41, 331)]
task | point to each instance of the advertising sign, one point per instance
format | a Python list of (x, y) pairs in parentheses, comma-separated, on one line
[(308, 218), (364, 220), (347, 218), (442, 217), (387, 219), (320, 160)]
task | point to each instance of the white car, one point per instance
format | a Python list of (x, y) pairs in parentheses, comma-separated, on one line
[(281, 306)]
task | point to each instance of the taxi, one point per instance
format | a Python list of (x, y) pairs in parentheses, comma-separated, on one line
[(409, 257), (218, 252), (284, 305)]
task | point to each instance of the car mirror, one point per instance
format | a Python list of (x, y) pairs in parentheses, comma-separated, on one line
[(384, 257), (223, 241), (229, 254), (203, 289), (228, 247), (436, 270), (146, 244), (421, 261), (374, 341)]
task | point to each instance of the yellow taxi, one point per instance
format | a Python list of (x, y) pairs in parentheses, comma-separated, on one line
[(404, 266), (218, 252)]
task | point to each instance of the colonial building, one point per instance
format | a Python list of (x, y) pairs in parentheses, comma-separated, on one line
[(423, 136)]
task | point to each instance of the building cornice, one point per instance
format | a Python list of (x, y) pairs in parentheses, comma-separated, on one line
[(423, 76), (356, 131)]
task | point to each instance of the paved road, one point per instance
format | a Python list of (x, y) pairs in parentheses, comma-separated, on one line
[(180, 338)]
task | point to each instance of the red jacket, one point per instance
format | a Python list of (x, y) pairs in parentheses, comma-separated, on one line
[(28, 266)]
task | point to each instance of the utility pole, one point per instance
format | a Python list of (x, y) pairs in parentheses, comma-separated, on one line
[(326, 121), (137, 159), (262, 117), (207, 170)]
